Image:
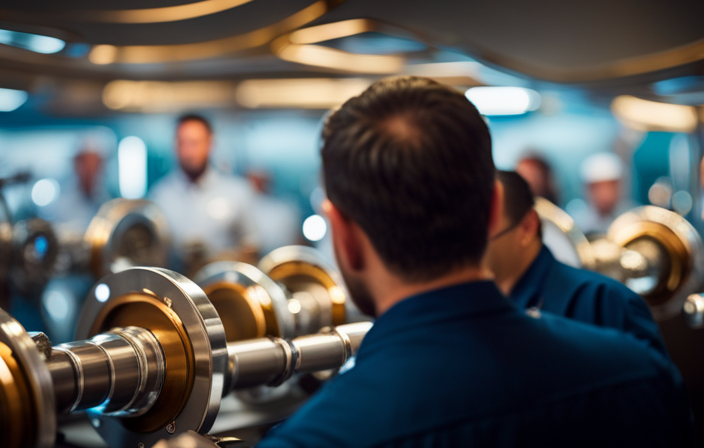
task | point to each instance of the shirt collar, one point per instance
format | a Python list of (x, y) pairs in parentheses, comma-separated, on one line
[(529, 288), (206, 178), (457, 302)]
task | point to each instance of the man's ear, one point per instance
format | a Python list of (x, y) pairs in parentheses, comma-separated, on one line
[(497, 209), (345, 237), (529, 227)]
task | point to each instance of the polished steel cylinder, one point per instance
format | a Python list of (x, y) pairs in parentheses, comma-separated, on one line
[(270, 361), (121, 371)]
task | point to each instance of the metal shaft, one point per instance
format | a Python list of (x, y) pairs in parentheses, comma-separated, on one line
[(122, 371), (271, 361)]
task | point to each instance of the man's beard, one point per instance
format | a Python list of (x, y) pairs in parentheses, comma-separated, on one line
[(359, 293), (194, 173)]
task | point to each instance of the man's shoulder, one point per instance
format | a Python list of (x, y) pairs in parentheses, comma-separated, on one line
[(579, 278), (166, 185), (558, 367)]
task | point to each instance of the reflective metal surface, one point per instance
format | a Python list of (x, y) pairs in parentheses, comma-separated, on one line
[(674, 253), (250, 304), (188, 329), (34, 253), (41, 426), (274, 360), (126, 233), (122, 372), (318, 297), (693, 310), (563, 237)]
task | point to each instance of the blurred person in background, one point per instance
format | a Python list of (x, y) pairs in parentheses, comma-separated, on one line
[(526, 271), (601, 175), (209, 212), (81, 195), (278, 222), (536, 170)]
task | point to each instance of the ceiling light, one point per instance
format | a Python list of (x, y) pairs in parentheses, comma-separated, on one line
[(503, 100), (311, 93), (11, 99), (132, 167), (653, 116), (32, 42), (158, 96)]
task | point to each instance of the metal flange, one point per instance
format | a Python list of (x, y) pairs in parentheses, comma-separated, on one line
[(192, 338), (27, 387), (251, 305), (34, 252), (312, 282), (125, 233), (563, 237), (674, 253)]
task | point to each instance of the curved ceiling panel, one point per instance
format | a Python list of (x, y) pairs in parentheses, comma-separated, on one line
[(598, 42), (552, 39)]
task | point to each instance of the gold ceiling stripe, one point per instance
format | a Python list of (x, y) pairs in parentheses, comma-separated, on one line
[(298, 47), (131, 16), (158, 15), (147, 54)]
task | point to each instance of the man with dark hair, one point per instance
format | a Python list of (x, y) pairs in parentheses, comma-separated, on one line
[(450, 362), (527, 273), (207, 210)]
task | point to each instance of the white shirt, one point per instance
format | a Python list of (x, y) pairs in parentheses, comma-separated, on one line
[(278, 222), (72, 211), (214, 211)]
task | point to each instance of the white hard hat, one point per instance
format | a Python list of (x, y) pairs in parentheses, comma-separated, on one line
[(601, 167)]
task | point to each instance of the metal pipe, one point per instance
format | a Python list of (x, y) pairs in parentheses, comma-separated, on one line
[(270, 361)]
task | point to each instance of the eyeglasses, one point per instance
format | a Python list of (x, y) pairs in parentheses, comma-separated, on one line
[(505, 231), (509, 228)]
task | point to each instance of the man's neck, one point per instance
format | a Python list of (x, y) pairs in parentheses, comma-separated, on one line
[(527, 257), (398, 291)]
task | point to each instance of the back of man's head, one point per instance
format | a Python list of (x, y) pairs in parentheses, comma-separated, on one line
[(518, 197), (409, 160)]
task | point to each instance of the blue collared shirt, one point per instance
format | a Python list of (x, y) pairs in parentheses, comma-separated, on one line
[(462, 366), (585, 296)]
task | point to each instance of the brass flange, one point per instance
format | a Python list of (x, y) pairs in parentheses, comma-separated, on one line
[(303, 269), (27, 414), (669, 243), (250, 304), (16, 404), (191, 336), (127, 230)]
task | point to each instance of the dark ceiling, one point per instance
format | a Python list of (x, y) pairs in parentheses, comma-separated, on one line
[(600, 44)]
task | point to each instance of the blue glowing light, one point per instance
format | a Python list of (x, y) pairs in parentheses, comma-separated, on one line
[(41, 246), (32, 42), (11, 99)]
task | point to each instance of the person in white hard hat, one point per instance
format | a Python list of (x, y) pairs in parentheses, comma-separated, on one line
[(601, 174)]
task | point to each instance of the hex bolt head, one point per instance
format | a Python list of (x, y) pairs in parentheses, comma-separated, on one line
[(43, 343)]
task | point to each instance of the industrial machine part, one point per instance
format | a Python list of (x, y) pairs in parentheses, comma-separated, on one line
[(33, 252), (293, 292), (152, 363), (124, 233), (563, 237), (653, 251), (671, 266), (192, 439)]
